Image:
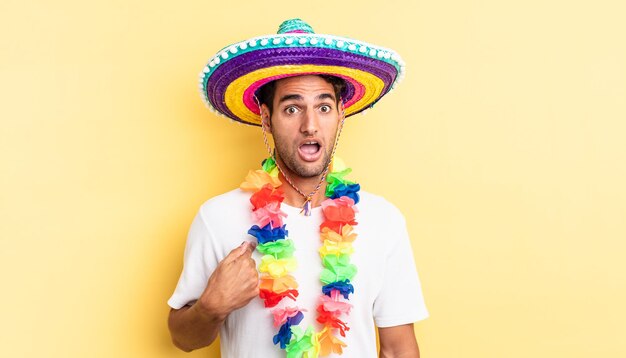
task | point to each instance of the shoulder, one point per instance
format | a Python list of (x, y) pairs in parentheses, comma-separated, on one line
[(228, 204), (372, 204), (382, 228)]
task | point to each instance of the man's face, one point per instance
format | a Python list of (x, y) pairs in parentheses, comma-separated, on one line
[(304, 123)]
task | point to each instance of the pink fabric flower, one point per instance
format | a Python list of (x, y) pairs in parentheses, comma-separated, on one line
[(334, 305), (342, 201), (281, 315), (270, 213)]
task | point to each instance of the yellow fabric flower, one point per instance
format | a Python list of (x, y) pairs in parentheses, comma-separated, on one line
[(337, 165), (336, 248), (274, 172), (277, 267)]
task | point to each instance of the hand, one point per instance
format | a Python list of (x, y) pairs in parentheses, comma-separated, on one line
[(233, 284)]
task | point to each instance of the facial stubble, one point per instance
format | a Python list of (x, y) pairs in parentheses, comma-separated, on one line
[(294, 166)]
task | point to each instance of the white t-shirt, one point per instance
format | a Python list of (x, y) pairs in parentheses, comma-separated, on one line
[(387, 290)]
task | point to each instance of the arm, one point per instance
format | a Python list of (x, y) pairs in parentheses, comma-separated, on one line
[(231, 286), (191, 328), (398, 341)]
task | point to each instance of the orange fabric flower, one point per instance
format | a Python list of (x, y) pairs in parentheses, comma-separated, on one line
[(273, 290), (329, 343), (279, 284), (347, 234), (337, 213), (256, 179)]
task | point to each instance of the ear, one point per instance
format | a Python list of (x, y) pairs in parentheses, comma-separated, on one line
[(265, 117), (341, 109)]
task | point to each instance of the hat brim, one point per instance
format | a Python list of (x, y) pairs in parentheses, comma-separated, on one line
[(231, 79)]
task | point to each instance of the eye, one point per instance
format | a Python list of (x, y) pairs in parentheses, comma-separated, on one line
[(325, 108), (291, 110)]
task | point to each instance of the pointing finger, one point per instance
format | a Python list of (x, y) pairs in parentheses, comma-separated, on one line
[(252, 246), (248, 249)]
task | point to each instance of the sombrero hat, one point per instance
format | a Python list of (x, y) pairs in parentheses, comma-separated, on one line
[(231, 78)]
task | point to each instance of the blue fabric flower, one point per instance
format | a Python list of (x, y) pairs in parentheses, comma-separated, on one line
[(344, 287), (350, 190), (284, 335), (295, 320), (267, 234)]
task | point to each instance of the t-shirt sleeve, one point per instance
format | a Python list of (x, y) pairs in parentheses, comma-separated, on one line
[(195, 274), (400, 300)]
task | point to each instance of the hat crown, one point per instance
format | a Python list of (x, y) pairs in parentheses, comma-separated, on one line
[(295, 26)]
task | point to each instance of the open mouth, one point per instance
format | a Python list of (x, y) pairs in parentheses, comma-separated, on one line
[(310, 151)]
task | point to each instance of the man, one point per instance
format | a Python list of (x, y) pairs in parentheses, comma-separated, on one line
[(272, 265)]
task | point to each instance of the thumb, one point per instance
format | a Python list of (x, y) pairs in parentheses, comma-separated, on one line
[(247, 249), (236, 252)]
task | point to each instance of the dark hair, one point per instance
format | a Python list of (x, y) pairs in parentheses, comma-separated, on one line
[(265, 94)]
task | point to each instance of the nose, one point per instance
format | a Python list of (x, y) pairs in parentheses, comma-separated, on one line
[(310, 123)]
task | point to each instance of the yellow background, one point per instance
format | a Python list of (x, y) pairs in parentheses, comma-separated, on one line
[(504, 147)]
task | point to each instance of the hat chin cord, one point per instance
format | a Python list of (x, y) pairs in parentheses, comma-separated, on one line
[(306, 206)]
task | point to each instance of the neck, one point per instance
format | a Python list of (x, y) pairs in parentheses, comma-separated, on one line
[(306, 185)]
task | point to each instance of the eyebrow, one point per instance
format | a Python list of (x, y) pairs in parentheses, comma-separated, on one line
[(298, 97), (290, 97), (325, 96)]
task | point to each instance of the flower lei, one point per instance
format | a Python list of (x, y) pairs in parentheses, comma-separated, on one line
[(277, 262)]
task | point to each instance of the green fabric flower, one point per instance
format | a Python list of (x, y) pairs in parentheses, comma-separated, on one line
[(269, 164), (302, 344), (335, 179), (337, 268), (280, 249)]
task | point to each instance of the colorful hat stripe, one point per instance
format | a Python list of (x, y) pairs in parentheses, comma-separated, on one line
[(290, 53), (243, 110), (252, 61), (354, 91), (285, 62)]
